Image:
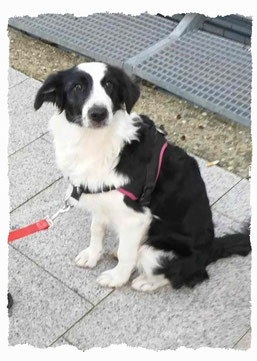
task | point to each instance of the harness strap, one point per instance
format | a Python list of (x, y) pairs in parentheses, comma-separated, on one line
[(151, 179), (128, 194), (160, 160)]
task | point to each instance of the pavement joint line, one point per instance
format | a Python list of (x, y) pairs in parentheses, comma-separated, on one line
[(46, 140), (91, 309), (26, 145), (42, 190), (249, 329), (22, 81), (68, 342), (227, 191), (52, 275)]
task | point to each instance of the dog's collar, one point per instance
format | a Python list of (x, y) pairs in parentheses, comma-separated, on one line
[(152, 173), (78, 190)]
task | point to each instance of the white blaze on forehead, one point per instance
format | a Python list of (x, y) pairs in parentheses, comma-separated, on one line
[(96, 70), (97, 95)]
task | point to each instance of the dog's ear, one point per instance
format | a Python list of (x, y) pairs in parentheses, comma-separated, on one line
[(130, 92), (51, 91)]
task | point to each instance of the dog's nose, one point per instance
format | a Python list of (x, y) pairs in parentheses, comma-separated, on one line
[(97, 113)]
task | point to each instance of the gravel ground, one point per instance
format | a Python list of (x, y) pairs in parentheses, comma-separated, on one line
[(196, 130)]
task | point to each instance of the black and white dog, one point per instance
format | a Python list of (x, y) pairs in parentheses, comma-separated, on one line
[(130, 178)]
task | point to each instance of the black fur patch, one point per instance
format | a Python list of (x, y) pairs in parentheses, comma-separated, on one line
[(135, 157), (120, 88), (67, 89)]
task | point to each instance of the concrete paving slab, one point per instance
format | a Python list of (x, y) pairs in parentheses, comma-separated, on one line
[(217, 180), (43, 307), (236, 203), (56, 248), (224, 225), (167, 318), (245, 342), (214, 314), (31, 170), (15, 77), (26, 124)]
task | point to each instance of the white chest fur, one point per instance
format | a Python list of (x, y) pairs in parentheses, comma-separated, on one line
[(88, 156)]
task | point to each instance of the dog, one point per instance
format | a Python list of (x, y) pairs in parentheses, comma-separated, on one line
[(130, 178)]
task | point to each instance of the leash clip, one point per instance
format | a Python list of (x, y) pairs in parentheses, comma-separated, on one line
[(64, 209)]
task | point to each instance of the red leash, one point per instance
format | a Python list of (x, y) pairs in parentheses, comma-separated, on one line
[(26, 231), (41, 225)]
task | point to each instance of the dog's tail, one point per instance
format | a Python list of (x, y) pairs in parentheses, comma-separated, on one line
[(231, 244)]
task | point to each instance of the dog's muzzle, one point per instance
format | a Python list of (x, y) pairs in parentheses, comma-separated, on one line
[(97, 115)]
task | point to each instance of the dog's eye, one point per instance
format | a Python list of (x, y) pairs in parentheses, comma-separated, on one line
[(77, 87), (108, 86)]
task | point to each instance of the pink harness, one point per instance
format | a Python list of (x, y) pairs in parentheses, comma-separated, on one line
[(131, 195)]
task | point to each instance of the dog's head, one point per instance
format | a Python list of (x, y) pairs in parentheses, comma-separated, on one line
[(89, 93)]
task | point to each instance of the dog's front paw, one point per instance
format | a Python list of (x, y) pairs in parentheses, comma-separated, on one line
[(87, 258), (112, 278)]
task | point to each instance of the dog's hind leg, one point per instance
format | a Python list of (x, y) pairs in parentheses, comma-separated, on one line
[(148, 261), (143, 283)]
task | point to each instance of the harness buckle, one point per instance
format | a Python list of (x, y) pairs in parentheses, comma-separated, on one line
[(76, 193), (146, 195)]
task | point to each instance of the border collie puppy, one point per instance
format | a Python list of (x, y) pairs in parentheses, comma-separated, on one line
[(125, 173)]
